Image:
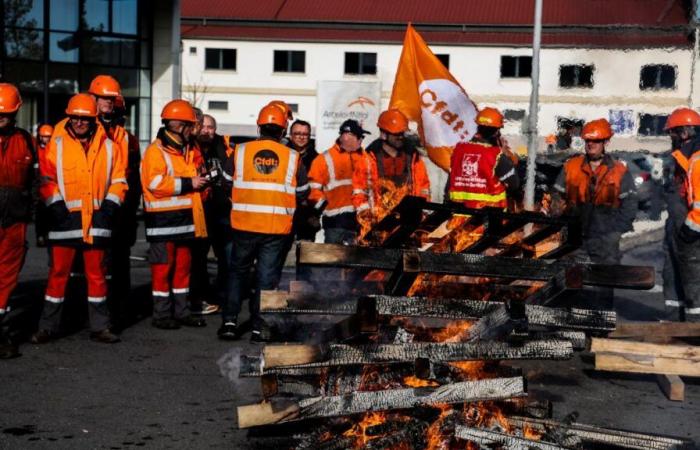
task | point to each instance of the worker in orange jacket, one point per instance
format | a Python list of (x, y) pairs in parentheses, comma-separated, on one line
[(41, 222), (482, 172), (16, 170), (330, 180), (601, 191), (682, 240), (172, 180), (111, 109), (390, 159), (83, 184), (268, 183)]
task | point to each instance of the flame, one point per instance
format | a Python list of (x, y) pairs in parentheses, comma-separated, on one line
[(435, 439), (389, 197), (470, 370), (454, 332), (359, 430), (415, 382), (531, 433)]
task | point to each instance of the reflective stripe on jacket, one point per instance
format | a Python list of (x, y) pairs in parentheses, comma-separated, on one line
[(84, 180), (330, 179), (173, 210), (264, 187), (473, 180), (692, 220)]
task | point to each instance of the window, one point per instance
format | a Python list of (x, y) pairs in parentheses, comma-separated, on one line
[(193, 50), (576, 76), (516, 66), (290, 61), (651, 125), (294, 107), (444, 59), (220, 58), (514, 114), (218, 105), (360, 63), (657, 76)]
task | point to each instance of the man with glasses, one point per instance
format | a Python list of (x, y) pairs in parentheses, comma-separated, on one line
[(682, 239), (16, 170), (82, 183), (600, 189), (392, 163)]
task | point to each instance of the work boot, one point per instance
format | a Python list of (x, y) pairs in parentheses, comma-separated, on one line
[(105, 336), (42, 337), (228, 331), (192, 321), (166, 323), (8, 349)]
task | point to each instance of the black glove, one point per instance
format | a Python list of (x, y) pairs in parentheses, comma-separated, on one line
[(58, 212), (687, 235)]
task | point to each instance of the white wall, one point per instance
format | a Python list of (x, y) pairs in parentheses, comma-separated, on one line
[(616, 81)]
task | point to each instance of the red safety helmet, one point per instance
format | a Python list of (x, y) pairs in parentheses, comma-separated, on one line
[(682, 117), (10, 100), (82, 105), (284, 107), (597, 130), (272, 115), (490, 117), (393, 121), (105, 86), (45, 130), (179, 110)]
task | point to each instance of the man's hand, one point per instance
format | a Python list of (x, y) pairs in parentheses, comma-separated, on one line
[(199, 183)]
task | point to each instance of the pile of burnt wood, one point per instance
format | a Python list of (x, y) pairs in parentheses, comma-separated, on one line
[(409, 340)]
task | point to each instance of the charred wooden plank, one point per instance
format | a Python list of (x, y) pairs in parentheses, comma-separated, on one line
[(619, 276), (343, 355), (504, 319), (360, 402), (401, 222), (606, 436), (491, 438), (562, 284)]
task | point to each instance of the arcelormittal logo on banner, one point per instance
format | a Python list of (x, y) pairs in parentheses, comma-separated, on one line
[(426, 92)]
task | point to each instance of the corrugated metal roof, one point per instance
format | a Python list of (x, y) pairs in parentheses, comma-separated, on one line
[(477, 12), (616, 39)]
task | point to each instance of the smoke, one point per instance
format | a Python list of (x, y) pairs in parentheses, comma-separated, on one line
[(230, 366)]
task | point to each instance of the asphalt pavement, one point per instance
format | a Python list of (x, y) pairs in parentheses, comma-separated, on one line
[(171, 389)]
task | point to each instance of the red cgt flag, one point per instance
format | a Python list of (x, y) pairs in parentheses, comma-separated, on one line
[(426, 92)]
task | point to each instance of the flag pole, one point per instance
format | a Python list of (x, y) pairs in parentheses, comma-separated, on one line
[(534, 105)]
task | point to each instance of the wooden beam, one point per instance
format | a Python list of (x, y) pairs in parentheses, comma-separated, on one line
[(619, 276), (672, 386), (343, 355), (360, 402), (617, 362), (687, 352), (492, 438), (671, 329)]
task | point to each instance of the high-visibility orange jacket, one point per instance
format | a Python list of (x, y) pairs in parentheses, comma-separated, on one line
[(16, 157), (366, 186), (604, 197), (692, 220), (474, 178), (90, 181), (267, 179), (174, 210), (330, 180)]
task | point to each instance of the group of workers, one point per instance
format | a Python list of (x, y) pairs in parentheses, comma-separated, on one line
[(250, 201)]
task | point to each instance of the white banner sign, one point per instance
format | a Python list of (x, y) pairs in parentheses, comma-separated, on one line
[(337, 101)]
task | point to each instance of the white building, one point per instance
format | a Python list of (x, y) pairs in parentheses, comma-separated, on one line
[(633, 73)]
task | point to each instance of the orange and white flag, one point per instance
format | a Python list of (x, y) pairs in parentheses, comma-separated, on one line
[(426, 92)]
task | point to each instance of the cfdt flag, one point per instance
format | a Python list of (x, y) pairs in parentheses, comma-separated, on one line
[(426, 92)]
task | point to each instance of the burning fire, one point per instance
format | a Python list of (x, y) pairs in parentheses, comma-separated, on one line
[(416, 382), (389, 197), (359, 430)]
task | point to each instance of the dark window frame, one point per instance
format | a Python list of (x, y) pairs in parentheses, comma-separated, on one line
[(217, 105), (444, 59), (656, 122), (221, 59), (289, 61), (520, 66), (657, 72), (579, 78), (361, 63)]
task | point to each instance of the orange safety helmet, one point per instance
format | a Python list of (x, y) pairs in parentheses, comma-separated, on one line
[(45, 130), (178, 110), (490, 117), (119, 102), (82, 105), (393, 121), (105, 86), (597, 130), (284, 107), (681, 117), (10, 100), (272, 115)]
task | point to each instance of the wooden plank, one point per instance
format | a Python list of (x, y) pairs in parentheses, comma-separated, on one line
[(671, 329), (619, 276), (360, 402), (687, 352), (345, 355), (492, 438), (672, 386), (618, 362)]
